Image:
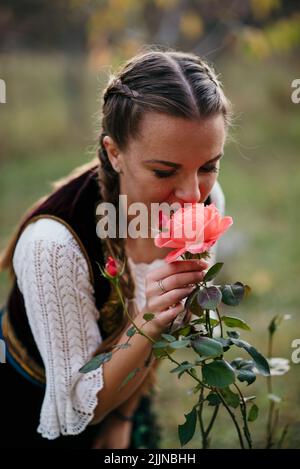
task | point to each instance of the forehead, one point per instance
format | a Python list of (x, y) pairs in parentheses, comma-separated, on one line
[(160, 134)]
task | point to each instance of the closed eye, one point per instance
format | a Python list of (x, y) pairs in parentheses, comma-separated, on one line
[(209, 169), (165, 174)]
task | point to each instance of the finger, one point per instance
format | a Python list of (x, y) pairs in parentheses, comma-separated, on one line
[(164, 318), (177, 267), (172, 282), (159, 303)]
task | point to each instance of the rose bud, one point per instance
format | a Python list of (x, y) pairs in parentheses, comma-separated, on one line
[(111, 267)]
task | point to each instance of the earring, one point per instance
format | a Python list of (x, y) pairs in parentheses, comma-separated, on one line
[(119, 171)]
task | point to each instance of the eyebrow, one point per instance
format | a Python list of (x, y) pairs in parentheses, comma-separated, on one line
[(177, 165)]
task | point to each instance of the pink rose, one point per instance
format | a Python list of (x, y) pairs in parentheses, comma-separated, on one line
[(209, 228)]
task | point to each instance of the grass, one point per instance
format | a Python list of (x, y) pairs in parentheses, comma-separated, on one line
[(48, 125)]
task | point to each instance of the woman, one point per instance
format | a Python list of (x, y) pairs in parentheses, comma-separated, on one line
[(164, 125)]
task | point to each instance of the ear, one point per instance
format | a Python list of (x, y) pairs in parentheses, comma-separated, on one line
[(113, 153)]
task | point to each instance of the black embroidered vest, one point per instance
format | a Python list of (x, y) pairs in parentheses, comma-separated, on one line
[(74, 204)]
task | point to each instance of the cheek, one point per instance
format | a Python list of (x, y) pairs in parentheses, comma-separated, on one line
[(156, 190), (161, 189), (146, 188), (206, 186)]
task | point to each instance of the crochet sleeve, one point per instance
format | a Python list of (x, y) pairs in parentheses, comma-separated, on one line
[(52, 274)]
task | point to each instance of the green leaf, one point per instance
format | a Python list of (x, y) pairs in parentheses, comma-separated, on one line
[(209, 297), (202, 320), (213, 399), (260, 361), (241, 363), (129, 377), (218, 373), (162, 349), (213, 272), (197, 388), (179, 344), (184, 366), (207, 347), (160, 353), (148, 316), (233, 294), (168, 337), (187, 430), (233, 334), (246, 375), (95, 362), (273, 326), (184, 331), (230, 321), (244, 370), (200, 360), (232, 399), (131, 331), (213, 322), (193, 372), (253, 413), (160, 344), (226, 343), (192, 304), (275, 323)]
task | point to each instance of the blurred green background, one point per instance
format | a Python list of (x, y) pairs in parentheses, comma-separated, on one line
[(55, 60)]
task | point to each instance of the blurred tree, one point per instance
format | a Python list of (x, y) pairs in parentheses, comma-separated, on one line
[(110, 28)]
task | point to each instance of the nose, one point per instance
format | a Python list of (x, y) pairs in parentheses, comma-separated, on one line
[(188, 191)]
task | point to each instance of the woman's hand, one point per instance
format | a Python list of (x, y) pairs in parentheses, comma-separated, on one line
[(114, 434), (167, 305)]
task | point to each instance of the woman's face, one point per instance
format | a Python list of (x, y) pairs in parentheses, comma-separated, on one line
[(171, 160)]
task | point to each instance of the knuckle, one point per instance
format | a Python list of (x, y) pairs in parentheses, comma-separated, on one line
[(150, 305), (177, 295), (173, 296), (198, 275)]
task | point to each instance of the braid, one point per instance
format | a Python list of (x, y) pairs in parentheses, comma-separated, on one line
[(110, 189), (117, 87), (210, 73), (203, 66)]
